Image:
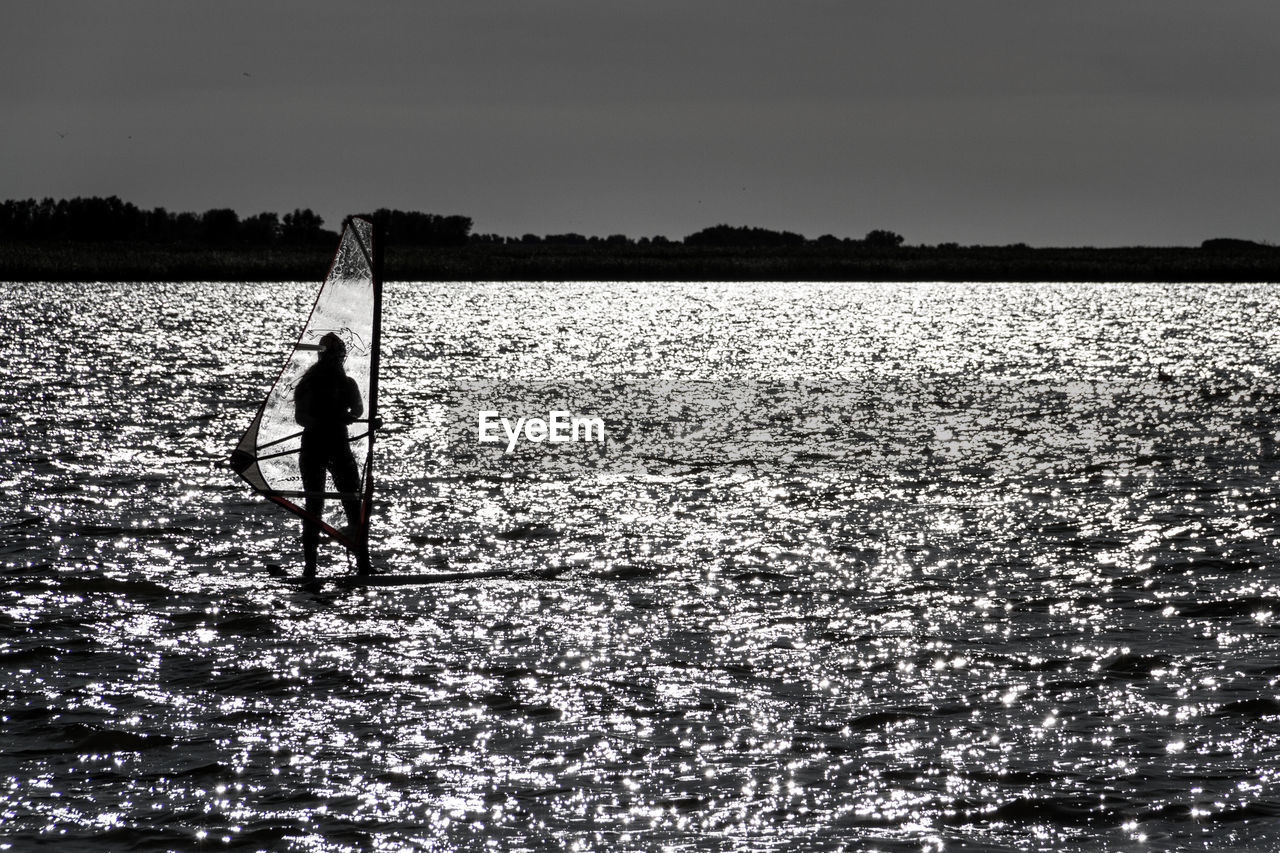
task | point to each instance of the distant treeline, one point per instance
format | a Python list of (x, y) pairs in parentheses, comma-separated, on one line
[(112, 220), (721, 236), (32, 222)]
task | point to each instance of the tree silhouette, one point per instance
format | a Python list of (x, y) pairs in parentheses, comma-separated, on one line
[(727, 235), (881, 239), (221, 226), (261, 230), (570, 239), (410, 228), (302, 227)]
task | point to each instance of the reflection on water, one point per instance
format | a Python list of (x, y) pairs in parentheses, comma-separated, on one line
[(986, 567)]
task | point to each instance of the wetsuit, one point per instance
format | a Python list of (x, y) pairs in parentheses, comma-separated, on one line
[(326, 401)]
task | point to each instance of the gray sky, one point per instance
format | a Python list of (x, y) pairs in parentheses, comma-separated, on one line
[(990, 121)]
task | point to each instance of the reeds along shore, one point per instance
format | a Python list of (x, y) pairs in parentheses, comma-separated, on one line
[(89, 261)]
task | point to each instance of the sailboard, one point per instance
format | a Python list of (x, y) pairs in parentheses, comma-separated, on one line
[(426, 578), (268, 456), (420, 579)]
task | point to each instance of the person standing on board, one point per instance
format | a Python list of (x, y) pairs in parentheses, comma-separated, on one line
[(325, 402)]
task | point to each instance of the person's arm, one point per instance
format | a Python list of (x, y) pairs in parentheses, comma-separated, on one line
[(302, 405), (355, 406)]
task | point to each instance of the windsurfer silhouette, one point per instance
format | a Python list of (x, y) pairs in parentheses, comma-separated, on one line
[(325, 402)]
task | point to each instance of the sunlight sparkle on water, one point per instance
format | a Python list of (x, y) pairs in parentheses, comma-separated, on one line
[(906, 566)]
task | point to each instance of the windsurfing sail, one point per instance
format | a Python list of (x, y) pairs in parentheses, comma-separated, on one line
[(349, 306)]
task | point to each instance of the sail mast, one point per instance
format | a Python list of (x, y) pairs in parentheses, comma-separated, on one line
[(375, 354)]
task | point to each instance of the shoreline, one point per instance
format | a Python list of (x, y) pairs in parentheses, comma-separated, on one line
[(128, 262)]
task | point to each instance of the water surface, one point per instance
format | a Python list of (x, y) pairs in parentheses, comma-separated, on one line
[(890, 566)]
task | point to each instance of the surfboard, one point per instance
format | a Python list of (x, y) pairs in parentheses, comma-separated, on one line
[(355, 580), (413, 579)]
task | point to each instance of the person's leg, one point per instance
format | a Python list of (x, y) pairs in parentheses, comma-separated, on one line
[(311, 463), (346, 478)]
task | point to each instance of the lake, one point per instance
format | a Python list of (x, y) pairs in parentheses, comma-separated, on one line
[(857, 567)]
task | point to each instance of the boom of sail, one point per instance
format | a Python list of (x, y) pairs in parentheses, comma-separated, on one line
[(349, 305)]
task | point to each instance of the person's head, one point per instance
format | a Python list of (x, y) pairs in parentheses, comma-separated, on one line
[(332, 348)]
